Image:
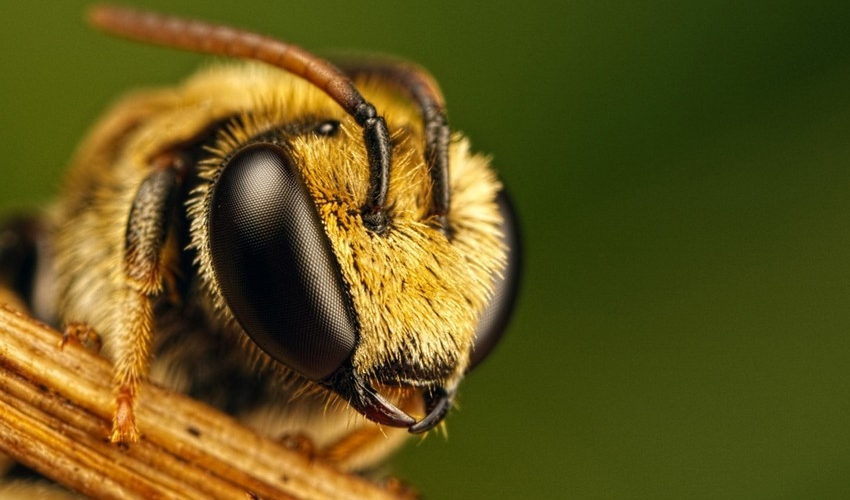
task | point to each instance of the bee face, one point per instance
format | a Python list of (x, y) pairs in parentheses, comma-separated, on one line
[(301, 221), (284, 249)]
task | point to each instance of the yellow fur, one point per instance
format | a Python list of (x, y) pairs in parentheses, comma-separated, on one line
[(417, 295)]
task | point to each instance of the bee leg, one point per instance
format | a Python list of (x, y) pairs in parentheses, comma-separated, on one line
[(145, 241), (81, 334), (369, 440), (352, 444), (300, 443)]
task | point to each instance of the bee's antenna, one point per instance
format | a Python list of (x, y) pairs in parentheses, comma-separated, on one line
[(222, 40), (421, 87)]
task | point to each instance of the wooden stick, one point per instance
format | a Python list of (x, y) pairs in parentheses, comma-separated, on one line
[(55, 413)]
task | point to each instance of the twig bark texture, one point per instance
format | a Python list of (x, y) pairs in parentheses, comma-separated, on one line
[(55, 414)]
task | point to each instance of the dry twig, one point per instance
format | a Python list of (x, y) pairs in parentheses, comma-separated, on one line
[(55, 411)]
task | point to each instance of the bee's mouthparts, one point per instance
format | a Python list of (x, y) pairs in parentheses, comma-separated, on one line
[(367, 401)]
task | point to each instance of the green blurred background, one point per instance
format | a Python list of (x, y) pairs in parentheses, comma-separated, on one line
[(682, 173)]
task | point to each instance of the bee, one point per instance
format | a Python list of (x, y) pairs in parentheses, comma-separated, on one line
[(296, 242)]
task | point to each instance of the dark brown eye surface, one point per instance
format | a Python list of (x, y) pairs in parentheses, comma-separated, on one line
[(495, 318), (275, 266)]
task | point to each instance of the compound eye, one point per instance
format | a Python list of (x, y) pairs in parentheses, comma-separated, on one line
[(275, 266), (496, 316)]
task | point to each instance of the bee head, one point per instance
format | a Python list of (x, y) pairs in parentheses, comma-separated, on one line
[(359, 311), (357, 260)]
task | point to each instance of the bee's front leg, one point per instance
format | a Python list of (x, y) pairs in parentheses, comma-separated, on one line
[(144, 274), (81, 334)]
